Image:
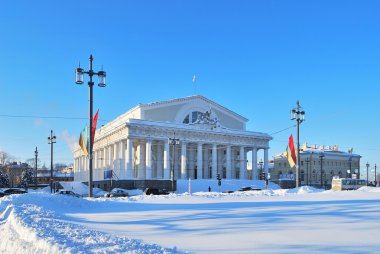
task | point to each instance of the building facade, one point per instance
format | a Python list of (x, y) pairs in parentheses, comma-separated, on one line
[(211, 140), (318, 165)]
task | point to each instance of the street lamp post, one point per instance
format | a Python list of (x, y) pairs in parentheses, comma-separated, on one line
[(375, 177), (261, 166), (51, 141), (367, 165), (35, 167), (321, 157), (79, 73), (173, 141), (298, 115)]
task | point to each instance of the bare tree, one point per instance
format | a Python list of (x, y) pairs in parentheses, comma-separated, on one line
[(4, 156), (32, 162)]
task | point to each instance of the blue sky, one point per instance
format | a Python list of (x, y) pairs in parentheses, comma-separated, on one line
[(254, 57)]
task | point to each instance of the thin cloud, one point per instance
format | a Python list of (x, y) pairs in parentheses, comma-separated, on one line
[(39, 122), (70, 140)]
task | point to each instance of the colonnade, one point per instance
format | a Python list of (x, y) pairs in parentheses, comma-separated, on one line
[(157, 159)]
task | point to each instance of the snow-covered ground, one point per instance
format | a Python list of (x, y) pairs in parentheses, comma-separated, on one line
[(304, 220)]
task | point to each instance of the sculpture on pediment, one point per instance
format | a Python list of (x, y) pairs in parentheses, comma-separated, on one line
[(206, 118)]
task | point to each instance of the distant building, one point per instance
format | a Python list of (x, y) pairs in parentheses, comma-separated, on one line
[(64, 174), (334, 163)]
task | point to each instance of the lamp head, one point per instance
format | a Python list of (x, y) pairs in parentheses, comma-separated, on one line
[(102, 79), (79, 76)]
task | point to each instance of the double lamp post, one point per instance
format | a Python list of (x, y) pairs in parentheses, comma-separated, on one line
[(298, 115), (79, 77)]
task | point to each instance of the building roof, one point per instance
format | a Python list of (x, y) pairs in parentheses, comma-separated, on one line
[(189, 98), (327, 150)]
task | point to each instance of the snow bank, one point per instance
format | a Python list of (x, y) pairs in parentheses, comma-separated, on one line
[(81, 188), (369, 189), (299, 190), (27, 225), (202, 185)]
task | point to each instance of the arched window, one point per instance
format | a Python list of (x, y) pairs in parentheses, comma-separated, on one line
[(192, 117), (187, 119)]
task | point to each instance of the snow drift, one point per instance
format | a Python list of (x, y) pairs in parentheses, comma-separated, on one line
[(33, 223)]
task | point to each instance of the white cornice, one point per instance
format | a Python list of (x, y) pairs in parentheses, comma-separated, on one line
[(187, 127)]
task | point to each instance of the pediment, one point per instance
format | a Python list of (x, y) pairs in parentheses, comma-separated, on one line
[(177, 110)]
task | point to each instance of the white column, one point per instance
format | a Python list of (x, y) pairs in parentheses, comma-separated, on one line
[(266, 161), (129, 151), (110, 157), (141, 173), (159, 161), (245, 164), (122, 160), (94, 168), (148, 159), (84, 168), (183, 160), (115, 160), (191, 162), (104, 159), (254, 164), (199, 161), (220, 162), (80, 168), (228, 162), (214, 161), (241, 164), (98, 161), (206, 169), (94, 160), (166, 161), (177, 162)]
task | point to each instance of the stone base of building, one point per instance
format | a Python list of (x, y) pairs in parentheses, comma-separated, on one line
[(108, 185)]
